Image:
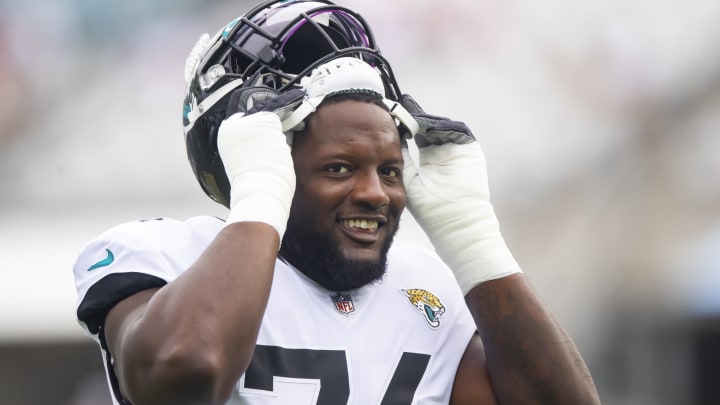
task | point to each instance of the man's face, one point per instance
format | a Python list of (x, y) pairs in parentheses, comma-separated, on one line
[(349, 195)]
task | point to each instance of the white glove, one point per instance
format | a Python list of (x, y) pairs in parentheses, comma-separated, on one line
[(449, 197), (259, 167)]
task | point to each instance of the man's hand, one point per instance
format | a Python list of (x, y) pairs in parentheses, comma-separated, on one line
[(257, 157), (448, 195), (253, 99)]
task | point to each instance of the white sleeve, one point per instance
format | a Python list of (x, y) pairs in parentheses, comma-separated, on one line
[(132, 257)]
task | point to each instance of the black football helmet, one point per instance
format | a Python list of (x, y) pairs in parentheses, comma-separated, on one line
[(276, 44)]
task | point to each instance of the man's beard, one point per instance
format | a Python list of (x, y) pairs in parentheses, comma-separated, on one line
[(318, 256)]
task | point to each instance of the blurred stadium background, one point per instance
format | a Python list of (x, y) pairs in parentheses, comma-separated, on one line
[(599, 121)]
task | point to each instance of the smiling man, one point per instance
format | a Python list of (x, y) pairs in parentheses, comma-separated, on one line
[(293, 120), (349, 193)]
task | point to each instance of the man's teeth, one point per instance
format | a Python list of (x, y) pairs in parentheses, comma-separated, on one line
[(370, 225)]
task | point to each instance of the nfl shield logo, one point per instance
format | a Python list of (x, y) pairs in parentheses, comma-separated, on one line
[(343, 303)]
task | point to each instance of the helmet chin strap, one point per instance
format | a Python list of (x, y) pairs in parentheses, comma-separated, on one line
[(403, 117), (343, 75)]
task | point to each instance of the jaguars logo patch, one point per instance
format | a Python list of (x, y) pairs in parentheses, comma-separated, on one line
[(427, 304)]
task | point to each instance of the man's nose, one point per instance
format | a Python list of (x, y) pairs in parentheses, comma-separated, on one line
[(370, 190)]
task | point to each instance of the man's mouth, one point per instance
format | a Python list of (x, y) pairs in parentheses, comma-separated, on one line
[(364, 224)]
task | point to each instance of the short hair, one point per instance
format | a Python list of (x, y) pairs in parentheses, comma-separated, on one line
[(367, 96)]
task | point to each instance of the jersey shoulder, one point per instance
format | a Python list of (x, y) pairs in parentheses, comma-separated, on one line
[(135, 256), (148, 235)]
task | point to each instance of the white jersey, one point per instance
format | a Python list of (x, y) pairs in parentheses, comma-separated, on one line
[(398, 341)]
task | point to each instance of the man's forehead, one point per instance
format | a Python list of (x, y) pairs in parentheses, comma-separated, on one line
[(351, 112), (341, 127)]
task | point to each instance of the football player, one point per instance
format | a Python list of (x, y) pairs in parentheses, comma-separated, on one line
[(294, 121)]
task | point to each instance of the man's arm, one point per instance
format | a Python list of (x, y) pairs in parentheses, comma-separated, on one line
[(528, 357), (524, 356), (191, 340)]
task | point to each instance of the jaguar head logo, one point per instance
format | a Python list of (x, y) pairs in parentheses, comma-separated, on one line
[(427, 304)]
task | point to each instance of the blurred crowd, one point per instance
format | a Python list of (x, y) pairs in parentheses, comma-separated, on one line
[(599, 123)]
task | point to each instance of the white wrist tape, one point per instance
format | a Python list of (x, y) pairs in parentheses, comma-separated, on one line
[(449, 197), (260, 169)]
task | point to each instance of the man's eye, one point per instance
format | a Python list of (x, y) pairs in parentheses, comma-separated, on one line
[(390, 172), (338, 169)]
